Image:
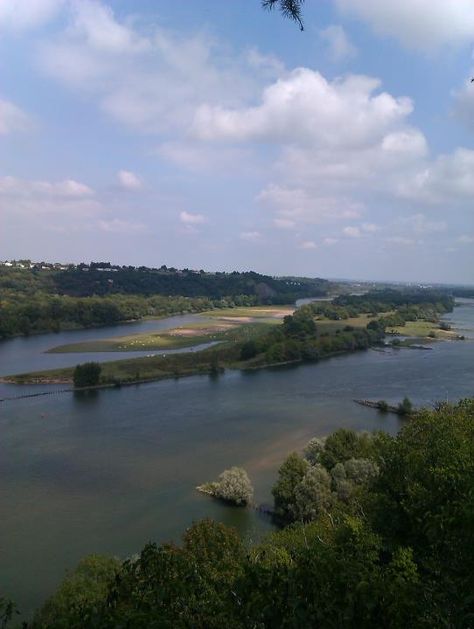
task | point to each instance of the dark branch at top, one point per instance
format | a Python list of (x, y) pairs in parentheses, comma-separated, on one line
[(288, 8)]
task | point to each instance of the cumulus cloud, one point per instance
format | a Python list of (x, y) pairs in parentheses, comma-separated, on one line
[(46, 197), (306, 108), (417, 24), (329, 242), (338, 43), (188, 218), (12, 118), (129, 180)]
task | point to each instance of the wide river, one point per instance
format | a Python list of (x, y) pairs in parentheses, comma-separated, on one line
[(109, 471)]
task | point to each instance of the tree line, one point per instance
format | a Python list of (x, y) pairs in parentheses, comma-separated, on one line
[(35, 300)]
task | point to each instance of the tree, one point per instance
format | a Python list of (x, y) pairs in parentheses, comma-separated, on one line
[(313, 494), (313, 450), (73, 604), (405, 407), (234, 486), (288, 8), (290, 474), (248, 350), (87, 374)]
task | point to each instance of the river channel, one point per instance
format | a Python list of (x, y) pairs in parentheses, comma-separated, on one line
[(107, 472)]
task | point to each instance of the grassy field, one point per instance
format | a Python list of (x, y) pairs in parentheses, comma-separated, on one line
[(330, 326), (424, 330)]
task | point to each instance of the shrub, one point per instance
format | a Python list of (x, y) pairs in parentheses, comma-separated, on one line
[(234, 486)]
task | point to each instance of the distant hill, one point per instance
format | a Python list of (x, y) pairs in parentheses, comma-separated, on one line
[(104, 279)]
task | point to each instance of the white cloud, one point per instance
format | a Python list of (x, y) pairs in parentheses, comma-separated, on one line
[(95, 25), (329, 242), (118, 226), (297, 205), (69, 188), (305, 108), (308, 244), (449, 178), (338, 43), (251, 236), (417, 24), (188, 218), (12, 118), (129, 180), (22, 15), (46, 197), (352, 231), (149, 79)]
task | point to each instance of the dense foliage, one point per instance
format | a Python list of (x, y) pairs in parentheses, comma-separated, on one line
[(35, 300), (86, 281), (87, 375), (382, 536), (400, 306)]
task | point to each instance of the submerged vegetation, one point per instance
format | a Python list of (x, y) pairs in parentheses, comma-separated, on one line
[(374, 531), (233, 486)]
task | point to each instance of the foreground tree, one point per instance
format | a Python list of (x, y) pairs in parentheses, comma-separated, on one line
[(87, 375)]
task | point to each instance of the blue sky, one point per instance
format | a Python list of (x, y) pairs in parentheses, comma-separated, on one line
[(215, 135)]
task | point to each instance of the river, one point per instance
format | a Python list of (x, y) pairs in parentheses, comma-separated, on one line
[(108, 471)]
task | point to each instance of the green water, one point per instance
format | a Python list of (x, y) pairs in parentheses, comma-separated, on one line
[(110, 471)]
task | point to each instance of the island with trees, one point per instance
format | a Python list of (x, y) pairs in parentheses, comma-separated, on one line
[(313, 332)]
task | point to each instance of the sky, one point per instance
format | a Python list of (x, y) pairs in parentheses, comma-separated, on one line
[(217, 135)]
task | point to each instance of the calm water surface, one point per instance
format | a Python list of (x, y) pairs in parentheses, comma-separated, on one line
[(109, 471)]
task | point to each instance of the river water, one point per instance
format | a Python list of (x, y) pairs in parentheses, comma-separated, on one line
[(108, 471)]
